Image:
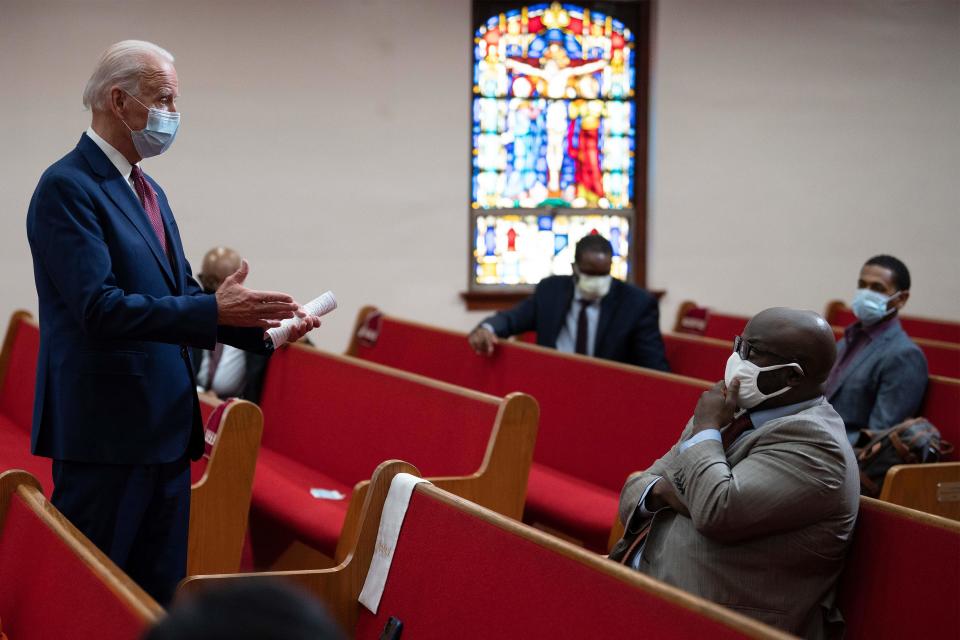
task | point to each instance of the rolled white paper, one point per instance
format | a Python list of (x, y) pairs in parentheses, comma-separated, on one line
[(319, 306)]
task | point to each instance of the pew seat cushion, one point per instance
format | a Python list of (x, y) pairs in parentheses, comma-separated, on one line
[(569, 504), (15, 454), (48, 592), (281, 490)]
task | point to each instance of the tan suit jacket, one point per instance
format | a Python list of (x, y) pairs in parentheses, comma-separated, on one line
[(770, 519)]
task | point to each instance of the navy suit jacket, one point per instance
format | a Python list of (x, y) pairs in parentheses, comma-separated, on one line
[(628, 329), (114, 379), (883, 386)]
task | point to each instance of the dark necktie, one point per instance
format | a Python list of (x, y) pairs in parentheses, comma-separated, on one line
[(738, 426), (583, 327), (148, 198)]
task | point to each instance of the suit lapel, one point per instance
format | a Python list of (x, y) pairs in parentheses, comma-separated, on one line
[(608, 308), (173, 241), (560, 316), (866, 354), (117, 188)]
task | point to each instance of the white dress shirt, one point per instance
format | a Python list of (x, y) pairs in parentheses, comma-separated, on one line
[(567, 338), (229, 376), (115, 157)]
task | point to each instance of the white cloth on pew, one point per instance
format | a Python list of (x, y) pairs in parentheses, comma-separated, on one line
[(394, 510)]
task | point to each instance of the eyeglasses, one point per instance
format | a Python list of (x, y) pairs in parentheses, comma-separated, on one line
[(743, 348)]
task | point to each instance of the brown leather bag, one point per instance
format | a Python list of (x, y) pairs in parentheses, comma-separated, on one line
[(911, 442)]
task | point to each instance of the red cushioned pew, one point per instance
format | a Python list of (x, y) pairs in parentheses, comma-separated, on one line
[(706, 322), (462, 571), (902, 574), (54, 583), (329, 420), (600, 420), (839, 314), (902, 578), (222, 479), (943, 356), (697, 357)]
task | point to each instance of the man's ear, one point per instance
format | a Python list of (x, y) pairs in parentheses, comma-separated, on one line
[(794, 377), (118, 103), (901, 300)]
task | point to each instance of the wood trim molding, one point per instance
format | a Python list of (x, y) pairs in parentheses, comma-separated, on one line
[(220, 500), (492, 300)]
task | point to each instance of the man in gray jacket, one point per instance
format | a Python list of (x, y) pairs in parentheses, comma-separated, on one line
[(880, 375), (755, 510)]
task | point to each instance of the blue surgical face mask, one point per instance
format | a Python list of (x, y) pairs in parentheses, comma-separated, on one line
[(158, 135), (870, 306)]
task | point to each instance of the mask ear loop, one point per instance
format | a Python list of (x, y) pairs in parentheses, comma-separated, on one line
[(894, 297)]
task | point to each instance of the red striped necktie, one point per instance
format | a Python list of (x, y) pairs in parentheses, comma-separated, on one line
[(148, 198), (733, 431)]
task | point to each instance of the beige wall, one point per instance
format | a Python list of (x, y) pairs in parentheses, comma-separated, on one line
[(329, 143), (793, 140)]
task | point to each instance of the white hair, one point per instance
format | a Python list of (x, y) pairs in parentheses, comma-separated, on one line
[(121, 65)]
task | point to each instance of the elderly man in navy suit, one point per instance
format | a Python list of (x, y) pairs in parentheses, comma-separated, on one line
[(880, 374), (590, 313), (116, 404)]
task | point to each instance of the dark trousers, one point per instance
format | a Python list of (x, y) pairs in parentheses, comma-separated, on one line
[(136, 514)]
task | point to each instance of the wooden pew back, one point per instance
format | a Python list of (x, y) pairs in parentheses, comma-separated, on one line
[(931, 488), (941, 406), (345, 417), (460, 570), (705, 322), (18, 369), (697, 357), (599, 420), (902, 577), (220, 493), (53, 582), (943, 358)]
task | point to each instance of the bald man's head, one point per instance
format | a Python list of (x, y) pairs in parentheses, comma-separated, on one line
[(219, 263), (801, 336)]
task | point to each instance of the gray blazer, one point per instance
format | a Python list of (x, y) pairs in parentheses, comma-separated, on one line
[(770, 520), (883, 386)]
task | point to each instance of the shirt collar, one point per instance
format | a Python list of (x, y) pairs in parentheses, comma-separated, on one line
[(874, 330), (121, 163), (760, 418)]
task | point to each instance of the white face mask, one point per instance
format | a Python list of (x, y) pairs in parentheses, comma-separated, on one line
[(593, 287), (749, 396)]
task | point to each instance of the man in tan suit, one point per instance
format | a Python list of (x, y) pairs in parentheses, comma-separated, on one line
[(755, 510)]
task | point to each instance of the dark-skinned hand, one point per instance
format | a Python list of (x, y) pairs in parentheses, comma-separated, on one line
[(483, 341), (715, 407), (663, 494)]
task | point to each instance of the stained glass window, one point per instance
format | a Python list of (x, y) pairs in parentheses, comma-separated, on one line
[(553, 140), (553, 117), (525, 247)]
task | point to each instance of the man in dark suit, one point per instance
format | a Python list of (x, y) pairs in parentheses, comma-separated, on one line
[(880, 375), (116, 406), (226, 371), (590, 313)]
